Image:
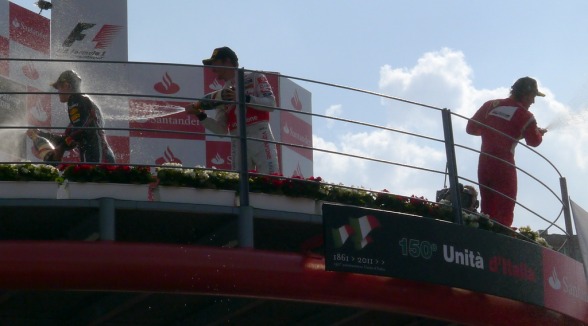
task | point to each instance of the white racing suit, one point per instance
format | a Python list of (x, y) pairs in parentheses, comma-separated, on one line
[(262, 156)]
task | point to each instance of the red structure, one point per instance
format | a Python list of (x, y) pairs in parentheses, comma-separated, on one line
[(256, 274)]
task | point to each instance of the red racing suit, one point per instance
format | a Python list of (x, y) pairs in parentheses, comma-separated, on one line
[(513, 119), (262, 156)]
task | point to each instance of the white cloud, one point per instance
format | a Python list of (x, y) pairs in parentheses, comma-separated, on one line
[(333, 111), (443, 79)]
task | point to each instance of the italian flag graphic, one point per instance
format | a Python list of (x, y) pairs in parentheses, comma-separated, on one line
[(364, 242), (362, 226), (340, 235)]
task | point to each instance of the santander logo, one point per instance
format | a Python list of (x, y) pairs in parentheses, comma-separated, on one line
[(295, 100), (297, 173), (554, 280), (301, 138), (166, 85), (38, 113), (30, 71), (21, 25), (168, 157), (217, 159)]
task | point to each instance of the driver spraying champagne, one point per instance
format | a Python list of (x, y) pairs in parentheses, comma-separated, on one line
[(501, 123), (84, 131), (262, 155)]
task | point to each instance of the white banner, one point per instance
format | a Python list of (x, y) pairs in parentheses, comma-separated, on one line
[(89, 30), (294, 128), (581, 223)]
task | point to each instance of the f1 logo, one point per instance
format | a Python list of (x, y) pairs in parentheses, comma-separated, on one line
[(76, 34)]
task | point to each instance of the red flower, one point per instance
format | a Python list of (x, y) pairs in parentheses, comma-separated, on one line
[(85, 167)]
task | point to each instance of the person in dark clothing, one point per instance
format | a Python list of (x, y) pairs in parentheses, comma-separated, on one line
[(85, 128)]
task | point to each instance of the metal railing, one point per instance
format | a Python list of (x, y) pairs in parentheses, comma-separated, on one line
[(449, 168)]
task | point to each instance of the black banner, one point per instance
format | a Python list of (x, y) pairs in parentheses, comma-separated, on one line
[(368, 241)]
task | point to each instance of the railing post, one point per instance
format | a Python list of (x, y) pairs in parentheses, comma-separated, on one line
[(451, 166), (107, 224), (567, 215), (245, 222)]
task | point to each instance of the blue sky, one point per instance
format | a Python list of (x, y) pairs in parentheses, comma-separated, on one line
[(453, 54)]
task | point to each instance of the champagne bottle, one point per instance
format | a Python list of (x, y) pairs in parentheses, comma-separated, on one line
[(212, 100), (45, 149)]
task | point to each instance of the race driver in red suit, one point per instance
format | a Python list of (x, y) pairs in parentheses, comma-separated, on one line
[(492, 121)]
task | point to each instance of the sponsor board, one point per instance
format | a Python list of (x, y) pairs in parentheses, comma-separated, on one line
[(296, 131), (38, 108), (159, 151), (29, 29), (377, 242), (150, 119), (295, 98), (166, 81), (218, 154), (120, 147), (31, 73), (98, 30), (294, 164), (565, 285)]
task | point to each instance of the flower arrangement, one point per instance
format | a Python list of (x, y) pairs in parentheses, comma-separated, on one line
[(106, 173), (349, 195), (28, 172), (293, 187), (173, 174), (532, 236)]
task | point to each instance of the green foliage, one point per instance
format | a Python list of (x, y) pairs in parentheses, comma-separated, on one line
[(107, 173), (350, 196), (173, 174), (533, 236), (28, 172)]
